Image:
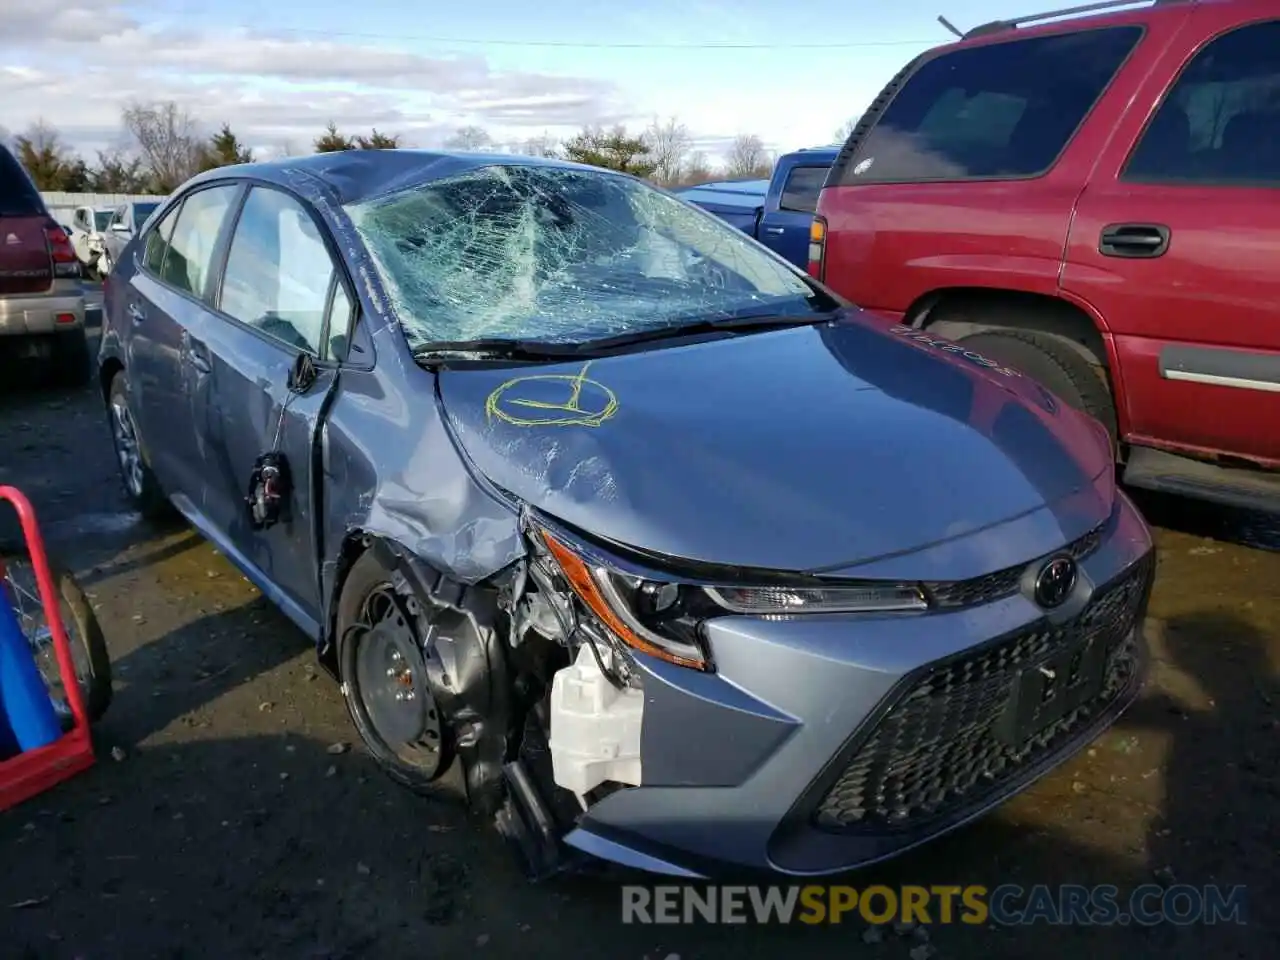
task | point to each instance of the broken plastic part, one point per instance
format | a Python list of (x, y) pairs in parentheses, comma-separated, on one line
[(595, 727), (561, 255)]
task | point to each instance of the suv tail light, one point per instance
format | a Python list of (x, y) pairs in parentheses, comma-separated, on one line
[(817, 247), (61, 252)]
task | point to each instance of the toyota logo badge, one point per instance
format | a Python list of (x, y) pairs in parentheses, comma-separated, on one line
[(1055, 581)]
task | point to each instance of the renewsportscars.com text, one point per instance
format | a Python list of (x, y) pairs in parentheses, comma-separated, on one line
[(1007, 905)]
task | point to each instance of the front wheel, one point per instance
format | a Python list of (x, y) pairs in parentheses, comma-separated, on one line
[(88, 646), (384, 670)]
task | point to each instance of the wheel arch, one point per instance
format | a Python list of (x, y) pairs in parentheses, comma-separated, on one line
[(953, 312)]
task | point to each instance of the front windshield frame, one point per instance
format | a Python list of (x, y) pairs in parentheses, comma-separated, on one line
[(562, 255)]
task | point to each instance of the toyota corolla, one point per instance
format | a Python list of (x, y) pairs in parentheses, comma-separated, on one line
[(612, 521)]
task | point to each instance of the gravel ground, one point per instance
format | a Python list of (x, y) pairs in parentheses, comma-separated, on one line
[(231, 814)]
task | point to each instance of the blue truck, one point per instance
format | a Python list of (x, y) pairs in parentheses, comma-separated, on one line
[(779, 211)]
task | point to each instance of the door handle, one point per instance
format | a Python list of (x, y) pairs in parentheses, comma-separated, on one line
[(1133, 240), (196, 354), (774, 230), (136, 313)]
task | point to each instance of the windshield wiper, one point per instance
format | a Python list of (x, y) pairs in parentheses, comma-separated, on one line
[(495, 348), (738, 324)]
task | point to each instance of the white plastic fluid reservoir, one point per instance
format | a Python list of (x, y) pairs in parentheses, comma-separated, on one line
[(595, 727)]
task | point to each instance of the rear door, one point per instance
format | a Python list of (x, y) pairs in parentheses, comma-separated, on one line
[(969, 175), (1176, 243), (785, 225), (25, 264), (163, 311), (281, 294)]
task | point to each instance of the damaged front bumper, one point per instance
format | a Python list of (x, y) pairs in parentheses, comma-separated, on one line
[(824, 742)]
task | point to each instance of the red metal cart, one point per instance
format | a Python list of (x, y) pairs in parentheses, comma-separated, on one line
[(34, 771)]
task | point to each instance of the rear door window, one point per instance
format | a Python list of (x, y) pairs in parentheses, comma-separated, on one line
[(158, 241), (191, 246), (800, 192), (1220, 123), (997, 111)]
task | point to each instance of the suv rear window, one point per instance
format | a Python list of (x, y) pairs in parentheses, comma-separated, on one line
[(18, 195), (997, 111)]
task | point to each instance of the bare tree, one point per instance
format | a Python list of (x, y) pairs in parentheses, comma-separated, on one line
[(697, 169), (469, 138), (169, 140), (540, 146), (748, 157), (669, 145), (846, 128)]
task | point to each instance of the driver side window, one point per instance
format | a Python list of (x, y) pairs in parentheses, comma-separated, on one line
[(278, 272)]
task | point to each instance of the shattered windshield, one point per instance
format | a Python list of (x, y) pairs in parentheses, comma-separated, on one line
[(563, 255)]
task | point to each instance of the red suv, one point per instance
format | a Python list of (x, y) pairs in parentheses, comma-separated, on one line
[(1094, 202), (41, 297)]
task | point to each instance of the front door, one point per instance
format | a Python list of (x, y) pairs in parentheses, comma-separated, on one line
[(1175, 245), (785, 230), (277, 293)]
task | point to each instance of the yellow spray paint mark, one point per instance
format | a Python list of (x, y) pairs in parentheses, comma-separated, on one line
[(587, 403)]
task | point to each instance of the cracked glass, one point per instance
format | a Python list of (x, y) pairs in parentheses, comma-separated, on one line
[(563, 255)]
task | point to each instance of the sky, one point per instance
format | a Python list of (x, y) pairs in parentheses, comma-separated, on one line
[(789, 71)]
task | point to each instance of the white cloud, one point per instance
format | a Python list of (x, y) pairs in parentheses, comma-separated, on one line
[(77, 66)]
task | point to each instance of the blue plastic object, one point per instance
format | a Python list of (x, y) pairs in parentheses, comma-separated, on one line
[(25, 706)]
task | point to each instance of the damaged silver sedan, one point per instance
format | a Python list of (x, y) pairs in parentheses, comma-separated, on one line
[(614, 522)]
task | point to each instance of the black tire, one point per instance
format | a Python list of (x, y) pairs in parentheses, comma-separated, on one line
[(71, 360), (1055, 364), (142, 489), (367, 579), (89, 646)]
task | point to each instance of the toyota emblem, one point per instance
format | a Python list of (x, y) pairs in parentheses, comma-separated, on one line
[(1055, 581)]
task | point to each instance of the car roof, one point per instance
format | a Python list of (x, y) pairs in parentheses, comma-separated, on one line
[(1103, 13), (357, 175)]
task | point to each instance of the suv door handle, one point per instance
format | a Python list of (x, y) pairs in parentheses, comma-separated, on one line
[(1134, 240), (136, 313), (774, 230)]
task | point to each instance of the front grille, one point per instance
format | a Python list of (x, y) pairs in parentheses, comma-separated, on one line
[(949, 740), (1002, 583)]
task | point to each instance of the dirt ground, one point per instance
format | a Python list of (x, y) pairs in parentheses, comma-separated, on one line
[(242, 820)]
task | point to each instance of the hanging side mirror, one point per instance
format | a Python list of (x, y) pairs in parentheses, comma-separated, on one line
[(302, 374)]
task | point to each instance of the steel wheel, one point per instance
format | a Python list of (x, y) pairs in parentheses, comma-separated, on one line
[(396, 712), (124, 434)]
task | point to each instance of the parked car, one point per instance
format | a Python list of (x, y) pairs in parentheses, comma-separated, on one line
[(670, 556), (125, 222), (779, 211), (1095, 202), (87, 228), (41, 301)]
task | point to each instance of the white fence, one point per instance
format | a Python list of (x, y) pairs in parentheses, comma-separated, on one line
[(58, 201)]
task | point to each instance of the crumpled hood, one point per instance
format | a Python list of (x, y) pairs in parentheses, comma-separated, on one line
[(799, 449)]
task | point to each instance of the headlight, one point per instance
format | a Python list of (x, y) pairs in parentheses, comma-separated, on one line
[(862, 598), (664, 619), (660, 619)]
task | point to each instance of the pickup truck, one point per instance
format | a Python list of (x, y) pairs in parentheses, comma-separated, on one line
[(779, 211)]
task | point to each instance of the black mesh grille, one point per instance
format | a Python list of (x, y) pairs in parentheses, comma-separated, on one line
[(956, 735), (1003, 583)]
